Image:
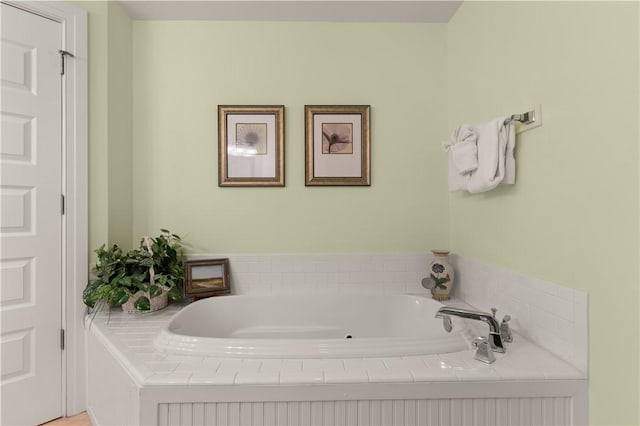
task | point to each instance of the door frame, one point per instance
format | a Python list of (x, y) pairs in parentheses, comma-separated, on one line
[(75, 232)]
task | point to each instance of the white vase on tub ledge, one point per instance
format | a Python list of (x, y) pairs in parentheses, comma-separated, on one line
[(442, 275)]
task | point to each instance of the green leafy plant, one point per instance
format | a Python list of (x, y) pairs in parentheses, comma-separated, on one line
[(156, 264)]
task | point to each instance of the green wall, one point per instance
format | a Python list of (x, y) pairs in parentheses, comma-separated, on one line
[(572, 217), (110, 119), (120, 106), (183, 70)]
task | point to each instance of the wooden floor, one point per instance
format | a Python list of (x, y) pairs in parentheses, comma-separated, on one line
[(81, 419)]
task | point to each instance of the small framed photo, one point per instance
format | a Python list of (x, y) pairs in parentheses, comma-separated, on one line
[(206, 277), (250, 145), (337, 145)]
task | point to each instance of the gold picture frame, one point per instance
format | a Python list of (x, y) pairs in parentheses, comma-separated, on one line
[(250, 145), (337, 145), (206, 277)]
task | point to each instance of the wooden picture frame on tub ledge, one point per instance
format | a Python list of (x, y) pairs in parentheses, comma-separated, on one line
[(337, 141), (206, 278), (250, 145)]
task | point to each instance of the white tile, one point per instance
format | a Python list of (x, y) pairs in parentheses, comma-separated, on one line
[(316, 278), (292, 365), (230, 364), (390, 376), (271, 365), (257, 378), (395, 265), (301, 377), (322, 364), (162, 367), (175, 378), (260, 266), (363, 364), (354, 376), (209, 378), (200, 367), (325, 266)]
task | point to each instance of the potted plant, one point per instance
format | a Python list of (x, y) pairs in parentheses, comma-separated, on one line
[(141, 279)]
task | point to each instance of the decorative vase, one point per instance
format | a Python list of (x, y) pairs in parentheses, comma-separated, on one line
[(442, 274), (155, 303)]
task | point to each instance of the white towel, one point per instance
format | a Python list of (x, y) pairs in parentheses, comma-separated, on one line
[(496, 164), (463, 148)]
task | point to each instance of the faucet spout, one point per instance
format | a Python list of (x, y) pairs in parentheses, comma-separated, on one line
[(495, 339)]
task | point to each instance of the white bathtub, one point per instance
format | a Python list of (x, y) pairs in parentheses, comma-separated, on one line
[(320, 326)]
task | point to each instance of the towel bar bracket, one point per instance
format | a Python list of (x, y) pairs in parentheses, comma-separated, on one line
[(529, 119), (526, 118)]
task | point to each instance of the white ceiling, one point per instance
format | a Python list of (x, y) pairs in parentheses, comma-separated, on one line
[(293, 10)]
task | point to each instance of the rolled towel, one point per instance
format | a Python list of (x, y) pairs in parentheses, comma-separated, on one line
[(463, 149)]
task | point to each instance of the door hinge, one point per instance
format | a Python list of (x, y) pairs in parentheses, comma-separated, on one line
[(64, 53), (62, 339), (62, 204)]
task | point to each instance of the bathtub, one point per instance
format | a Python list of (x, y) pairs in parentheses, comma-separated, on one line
[(320, 326)]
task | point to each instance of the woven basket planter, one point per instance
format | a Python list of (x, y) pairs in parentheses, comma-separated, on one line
[(156, 303)]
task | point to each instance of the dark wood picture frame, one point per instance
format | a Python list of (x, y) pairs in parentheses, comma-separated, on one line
[(206, 277)]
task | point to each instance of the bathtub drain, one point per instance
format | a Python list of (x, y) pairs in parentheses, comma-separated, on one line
[(348, 336)]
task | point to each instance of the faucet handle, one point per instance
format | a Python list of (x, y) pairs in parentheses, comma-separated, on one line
[(505, 330), (484, 352)]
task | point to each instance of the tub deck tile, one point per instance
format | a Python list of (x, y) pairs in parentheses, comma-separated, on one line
[(213, 378), (364, 364), (396, 375), (322, 365), (131, 337), (349, 376), (257, 378), (301, 377), (181, 378), (433, 375)]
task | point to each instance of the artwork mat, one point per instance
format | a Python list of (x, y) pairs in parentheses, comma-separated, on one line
[(330, 169), (237, 168)]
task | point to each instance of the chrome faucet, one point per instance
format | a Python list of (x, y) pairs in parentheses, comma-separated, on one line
[(498, 334)]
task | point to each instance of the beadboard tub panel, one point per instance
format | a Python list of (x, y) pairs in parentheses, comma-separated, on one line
[(437, 412)]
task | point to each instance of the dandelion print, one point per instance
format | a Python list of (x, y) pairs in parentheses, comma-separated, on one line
[(251, 138)]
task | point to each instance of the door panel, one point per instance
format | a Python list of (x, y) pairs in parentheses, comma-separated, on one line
[(30, 219)]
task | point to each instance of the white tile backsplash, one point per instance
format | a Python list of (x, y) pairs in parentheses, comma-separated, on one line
[(553, 316), (321, 273)]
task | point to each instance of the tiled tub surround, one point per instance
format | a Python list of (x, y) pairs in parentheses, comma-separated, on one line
[(131, 382), (550, 315)]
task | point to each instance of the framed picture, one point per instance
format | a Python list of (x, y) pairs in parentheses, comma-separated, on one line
[(250, 145), (337, 145), (206, 277)]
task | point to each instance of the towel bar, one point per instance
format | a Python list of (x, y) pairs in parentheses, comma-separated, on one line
[(526, 118)]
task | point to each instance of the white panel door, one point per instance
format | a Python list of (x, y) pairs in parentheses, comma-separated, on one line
[(31, 219)]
